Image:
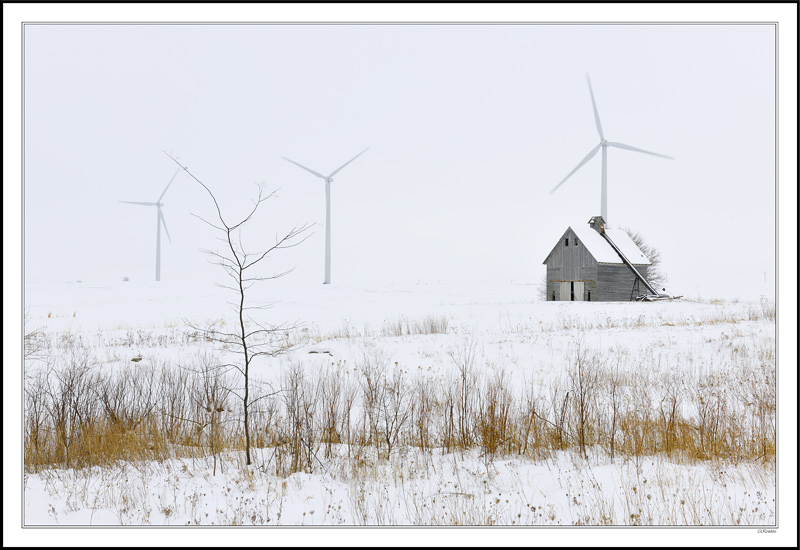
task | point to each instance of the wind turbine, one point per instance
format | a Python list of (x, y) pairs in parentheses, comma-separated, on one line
[(328, 179), (159, 222), (605, 145)]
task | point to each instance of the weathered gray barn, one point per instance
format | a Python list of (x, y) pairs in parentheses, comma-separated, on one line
[(586, 265)]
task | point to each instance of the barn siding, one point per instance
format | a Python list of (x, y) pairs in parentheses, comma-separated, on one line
[(615, 282)]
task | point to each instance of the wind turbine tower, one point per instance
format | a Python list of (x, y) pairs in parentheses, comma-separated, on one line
[(159, 222), (604, 145), (328, 179)]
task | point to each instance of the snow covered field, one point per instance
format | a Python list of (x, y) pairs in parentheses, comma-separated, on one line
[(426, 333)]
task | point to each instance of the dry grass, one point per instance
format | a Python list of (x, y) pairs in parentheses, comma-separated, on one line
[(80, 414)]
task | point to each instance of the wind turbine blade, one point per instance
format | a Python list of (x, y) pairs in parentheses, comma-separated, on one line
[(167, 187), (348, 162), (142, 203), (594, 107), (586, 159), (164, 223), (304, 168), (623, 146)]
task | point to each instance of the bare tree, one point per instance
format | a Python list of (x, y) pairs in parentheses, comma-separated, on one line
[(250, 338), (655, 275)]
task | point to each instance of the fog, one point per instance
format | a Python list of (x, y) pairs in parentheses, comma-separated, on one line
[(470, 127)]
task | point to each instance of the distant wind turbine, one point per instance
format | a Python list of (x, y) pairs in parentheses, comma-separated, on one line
[(604, 144), (328, 179), (159, 222)]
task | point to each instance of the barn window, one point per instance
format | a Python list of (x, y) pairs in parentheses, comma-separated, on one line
[(566, 241), (576, 242)]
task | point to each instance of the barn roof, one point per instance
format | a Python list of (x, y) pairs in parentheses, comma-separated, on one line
[(602, 252)]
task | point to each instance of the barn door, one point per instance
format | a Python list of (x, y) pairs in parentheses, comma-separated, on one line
[(579, 291), (564, 294)]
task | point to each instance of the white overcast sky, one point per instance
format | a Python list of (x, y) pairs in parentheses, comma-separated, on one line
[(469, 129)]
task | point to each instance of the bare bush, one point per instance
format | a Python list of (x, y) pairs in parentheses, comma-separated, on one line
[(300, 399), (559, 402), (672, 395), (34, 343), (583, 374), (466, 382), (615, 399), (495, 416), (332, 403), (385, 400), (422, 413), (210, 395), (69, 406), (532, 422)]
